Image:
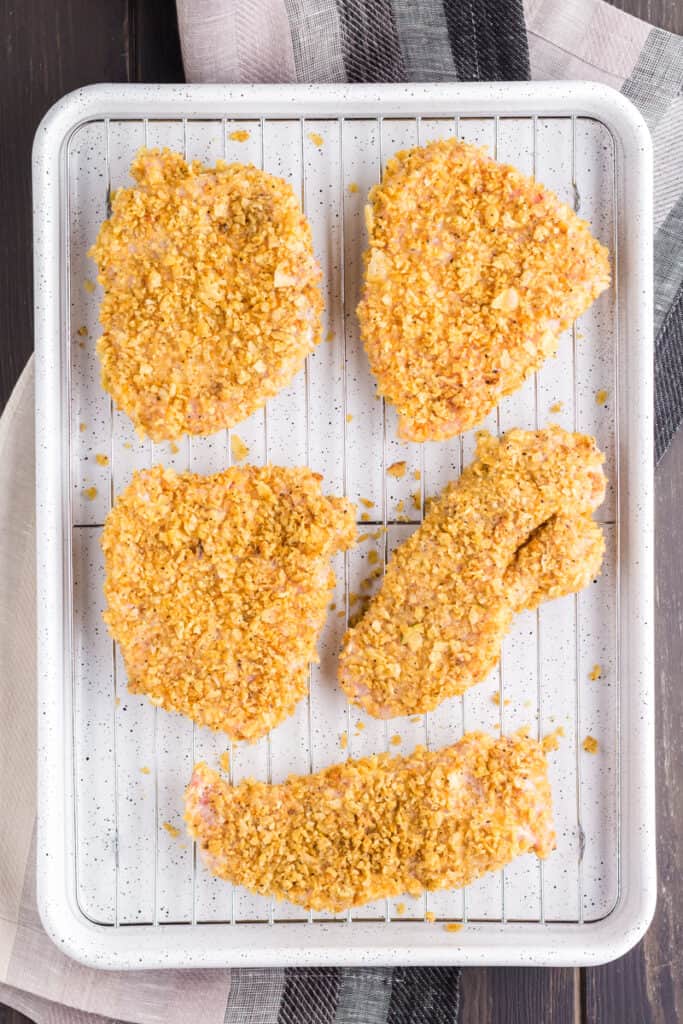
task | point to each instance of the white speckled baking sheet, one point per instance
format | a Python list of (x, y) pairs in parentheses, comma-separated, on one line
[(117, 888)]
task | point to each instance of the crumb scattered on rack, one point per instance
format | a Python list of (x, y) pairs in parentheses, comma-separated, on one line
[(353, 186), (601, 397), (171, 829), (400, 908), (81, 427), (353, 597), (365, 517), (378, 533), (367, 503), (238, 448), (417, 475), (373, 557), (552, 740), (90, 493), (174, 448), (89, 286), (329, 336), (495, 698), (557, 407), (595, 672), (224, 761), (333, 606), (416, 719), (349, 417), (240, 135), (363, 537), (590, 745), (397, 469), (117, 702), (430, 916), (128, 445), (145, 770), (102, 460), (400, 505), (417, 500), (360, 726), (344, 740), (395, 740), (316, 139), (83, 331), (452, 926)]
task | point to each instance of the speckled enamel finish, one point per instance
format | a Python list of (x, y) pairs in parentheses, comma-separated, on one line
[(112, 769)]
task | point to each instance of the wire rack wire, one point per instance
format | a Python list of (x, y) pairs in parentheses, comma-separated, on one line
[(130, 869)]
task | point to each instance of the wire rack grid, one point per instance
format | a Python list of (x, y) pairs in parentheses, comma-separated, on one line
[(130, 760)]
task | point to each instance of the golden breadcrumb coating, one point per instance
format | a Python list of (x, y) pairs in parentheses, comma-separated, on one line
[(211, 294), (514, 530), (473, 271), (377, 827), (217, 588)]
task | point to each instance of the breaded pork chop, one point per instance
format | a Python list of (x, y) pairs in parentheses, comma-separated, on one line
[(379, 826), (472, 272), (514, 530), (211, 294), (217, 588)]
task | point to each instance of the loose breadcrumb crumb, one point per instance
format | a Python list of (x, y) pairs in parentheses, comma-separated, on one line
[(127, 445), (395, 740), (365, 517), (397, 469), (416, 719), (595, 672), (353, 187), (590, 745), (82, 427), (171, 829), (89, 286), (379, 533), (453, 926), (344, 740), (224, 761), (552, 740), (240, 135), (145, 770), (557, 407), (360, 726), (430, 916), (117, 702), (373, 557), (349, 417), (417, 475), (400, 505), (417, 500), (400, 909), (83, 331), (238, 449), (601, 396), (316, 139), (102, 460), (329, 336), (90, 493), (362, 538), (367, 503), (173, 447)]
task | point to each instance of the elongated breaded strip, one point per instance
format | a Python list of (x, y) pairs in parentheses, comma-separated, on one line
[(514, 530), (379, 826), (472, 273), (211, 293), (217, 588)]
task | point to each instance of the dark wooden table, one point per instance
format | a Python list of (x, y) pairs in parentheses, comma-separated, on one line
[(52, 46)]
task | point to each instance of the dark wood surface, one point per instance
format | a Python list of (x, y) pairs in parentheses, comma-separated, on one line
[(52, 46)]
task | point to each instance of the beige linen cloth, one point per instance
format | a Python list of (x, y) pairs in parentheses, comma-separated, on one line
[(567, 39)]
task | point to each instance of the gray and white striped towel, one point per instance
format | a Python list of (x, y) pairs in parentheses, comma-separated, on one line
[(320, 41)]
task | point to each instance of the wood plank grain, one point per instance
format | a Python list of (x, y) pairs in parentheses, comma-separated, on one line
[(50, 48), (519, 995)]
